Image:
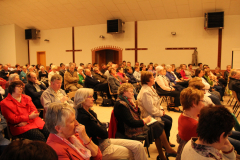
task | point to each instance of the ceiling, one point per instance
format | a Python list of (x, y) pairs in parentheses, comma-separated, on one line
[(52, 14)]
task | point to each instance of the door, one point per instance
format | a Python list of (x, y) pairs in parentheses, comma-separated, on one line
[(105, 56), (41, 58)]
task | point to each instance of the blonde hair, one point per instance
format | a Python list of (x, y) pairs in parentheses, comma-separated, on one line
[(54, 67), (124, 88)]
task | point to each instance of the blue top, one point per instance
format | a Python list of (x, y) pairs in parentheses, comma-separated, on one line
[(171, 77)]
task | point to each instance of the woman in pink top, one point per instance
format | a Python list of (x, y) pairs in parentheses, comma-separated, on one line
[(121, 74), (182, 72)]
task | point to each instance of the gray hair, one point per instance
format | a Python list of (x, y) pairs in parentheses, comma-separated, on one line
[(158, 69), (56, 77), (168, 66), (41, 67), (95, 68), (81, 95), (12, 77), (56, 115), (233, 72), (80, 68)]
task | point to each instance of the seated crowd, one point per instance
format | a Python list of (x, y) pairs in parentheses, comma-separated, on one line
[(35, 105)]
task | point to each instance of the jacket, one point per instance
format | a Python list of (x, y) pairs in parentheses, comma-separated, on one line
[(102, 78), (149, 102), (114, 83), (48, 97), (162, 81), (171, 77), (16, 112), (31, 91), (64, 151), (71, 79), (131, 79), (91, 82)]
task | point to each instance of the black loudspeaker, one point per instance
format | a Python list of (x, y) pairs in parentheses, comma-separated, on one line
[(30, 34), (214, 20), (114, 26)]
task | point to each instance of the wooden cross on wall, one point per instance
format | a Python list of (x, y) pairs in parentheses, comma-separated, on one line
[(73, 46), (136, 44)]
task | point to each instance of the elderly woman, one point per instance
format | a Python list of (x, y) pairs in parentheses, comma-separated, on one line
[(130, 124), (164, 87), (149, 102), (151, 69), (54, 71), (110, 148), (192, 102), (21, 114), (43, 74), (81, 75), (23, 74), (67, 137), (216, 145), (215, 99)]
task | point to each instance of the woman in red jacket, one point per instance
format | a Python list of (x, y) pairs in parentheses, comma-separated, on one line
[(21, 114)]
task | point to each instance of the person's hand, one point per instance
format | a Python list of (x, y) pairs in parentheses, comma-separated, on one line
[(65, 98), (221, 76), (22, 77), (83, 80), (227, 146), (173, 89), (7, 74), (147, 119), (21, 124), (0, 119), (80, 129), (137, 83), (37, 82), (33, 115)]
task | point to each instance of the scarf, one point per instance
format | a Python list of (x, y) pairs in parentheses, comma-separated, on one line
[(129, 103), (77, 146)]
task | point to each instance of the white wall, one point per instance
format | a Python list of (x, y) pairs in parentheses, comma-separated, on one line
[(60, 40), (154, 35), (21, 46), (231, 38), (7, 44)]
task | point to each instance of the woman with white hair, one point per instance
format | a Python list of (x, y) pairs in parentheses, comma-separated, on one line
[(67, 137), (54, 71), (43, 75), (12, 77), (110, 148), (81, 75), (164, 87)]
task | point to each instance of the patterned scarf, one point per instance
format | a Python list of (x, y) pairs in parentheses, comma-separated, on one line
[(77, 146)]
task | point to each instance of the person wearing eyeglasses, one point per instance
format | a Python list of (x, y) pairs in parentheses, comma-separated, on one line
[(21, 114)]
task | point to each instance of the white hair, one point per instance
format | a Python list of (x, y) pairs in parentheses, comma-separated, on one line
[(54, 67), (41, 67), (158, 69), (12, 77), (81, 95), (80, 68), (168, 66)]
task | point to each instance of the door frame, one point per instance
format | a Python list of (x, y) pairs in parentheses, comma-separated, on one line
[(107, 47), (45, 57)]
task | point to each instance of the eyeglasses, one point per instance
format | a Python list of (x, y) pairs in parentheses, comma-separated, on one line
[(90, 97), (21, 87)]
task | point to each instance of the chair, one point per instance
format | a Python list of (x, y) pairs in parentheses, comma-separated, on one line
[(112, 94), (112, 132)]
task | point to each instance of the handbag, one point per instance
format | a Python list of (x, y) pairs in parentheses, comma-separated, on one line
[(107, 102)]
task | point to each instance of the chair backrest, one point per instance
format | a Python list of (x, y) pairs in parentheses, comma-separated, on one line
[(109, 87), (71, 94)]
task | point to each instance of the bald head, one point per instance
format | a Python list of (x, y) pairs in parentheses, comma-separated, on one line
[(32, 77), (88, 72)]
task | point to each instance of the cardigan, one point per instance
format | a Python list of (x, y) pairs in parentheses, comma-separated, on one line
[(163, 82), (114, 83), (16, 112)]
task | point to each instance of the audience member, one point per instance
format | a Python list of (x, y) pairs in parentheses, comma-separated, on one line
[(226, 73), (67, 137), (21, 114), (149, 103), (184, 72), (151, 69), (137, 73), (3, 141), (53, 72), (43, 75), (23, 75), (71, 79), (214, 144), (99, 76), (232, 78), (235, 84), (12, 77), (34, 89), (114, 81), (122, 75), (200, 65), (164, 87), (132, 79), (110, 148), (104, 68), (81, 75), (54, 93), (190, 69), (5, 72), (219, 76), (91, 82), (192, 102), (130, 124)]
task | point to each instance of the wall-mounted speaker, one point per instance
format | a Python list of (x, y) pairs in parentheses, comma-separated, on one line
[(214, 20), (30, 34), (114, 26)]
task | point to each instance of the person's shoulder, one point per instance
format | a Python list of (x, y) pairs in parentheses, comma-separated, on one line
[(26, 97)]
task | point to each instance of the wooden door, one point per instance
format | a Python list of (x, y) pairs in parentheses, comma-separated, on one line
[(116, 57), (100, 57), (41, 58)]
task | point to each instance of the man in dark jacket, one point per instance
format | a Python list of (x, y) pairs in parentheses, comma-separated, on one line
[(99, 76), (91, 82), (132, 79), (5, 73), (34, 89), (235, 84)]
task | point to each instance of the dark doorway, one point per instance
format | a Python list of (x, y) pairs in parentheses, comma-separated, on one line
[(107, 55)]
